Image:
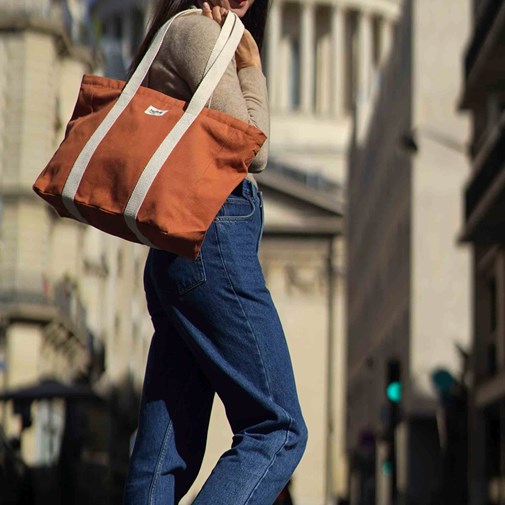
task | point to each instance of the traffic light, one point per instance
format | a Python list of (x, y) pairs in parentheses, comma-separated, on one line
[(394, 388), (387, 467), (394, 395), (393, 392)]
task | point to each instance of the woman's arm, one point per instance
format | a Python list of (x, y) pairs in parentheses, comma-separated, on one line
[(242, 93)]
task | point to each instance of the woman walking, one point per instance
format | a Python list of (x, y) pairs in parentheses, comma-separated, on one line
[(216, 327)]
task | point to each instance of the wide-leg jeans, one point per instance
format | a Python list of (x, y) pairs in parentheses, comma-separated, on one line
[(216, 331)]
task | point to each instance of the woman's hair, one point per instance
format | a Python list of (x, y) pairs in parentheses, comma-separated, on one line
[(254, 20)]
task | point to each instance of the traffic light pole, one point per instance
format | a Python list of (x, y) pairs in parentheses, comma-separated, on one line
[(394, 470), (394, 398)]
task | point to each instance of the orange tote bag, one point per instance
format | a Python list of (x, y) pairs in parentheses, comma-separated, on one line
[(146, 167)]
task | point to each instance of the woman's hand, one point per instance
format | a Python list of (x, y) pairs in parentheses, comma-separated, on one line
[(217, 13), (247, 54)]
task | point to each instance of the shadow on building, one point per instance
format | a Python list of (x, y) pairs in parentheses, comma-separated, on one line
[(408, 283)]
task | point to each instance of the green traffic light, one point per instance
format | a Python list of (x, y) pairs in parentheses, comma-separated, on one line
[(387, 468), (394, 392)]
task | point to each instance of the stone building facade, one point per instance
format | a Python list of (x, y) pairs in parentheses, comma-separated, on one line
[(483, 96), (321, 57), (408, 281), (72, 307)]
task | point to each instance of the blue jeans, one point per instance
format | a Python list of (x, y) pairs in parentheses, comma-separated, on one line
[(216, 331)]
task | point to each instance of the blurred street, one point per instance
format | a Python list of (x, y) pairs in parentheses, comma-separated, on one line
[(383, 249)]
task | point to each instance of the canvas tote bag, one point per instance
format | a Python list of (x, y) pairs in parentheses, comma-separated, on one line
[(146, 167)]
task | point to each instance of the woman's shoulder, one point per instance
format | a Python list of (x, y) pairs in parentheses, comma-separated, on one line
[(186, 49), (194, 30)]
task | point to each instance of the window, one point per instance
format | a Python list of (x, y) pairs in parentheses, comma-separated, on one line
[(377, 42), (490, 311), (117, 27), (491, 351), (351, 62), (137, 33), (294, 74), (120, 262), (323, 61), (290, 57)]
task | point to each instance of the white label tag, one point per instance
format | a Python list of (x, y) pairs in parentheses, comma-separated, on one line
[(153, 111)]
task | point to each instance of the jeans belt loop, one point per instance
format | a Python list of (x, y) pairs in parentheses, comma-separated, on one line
[(254, 189)]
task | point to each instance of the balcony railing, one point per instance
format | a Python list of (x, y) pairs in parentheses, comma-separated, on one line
[(55, 11), (61, 295), (67, 300), (45, 9), (485, 15)]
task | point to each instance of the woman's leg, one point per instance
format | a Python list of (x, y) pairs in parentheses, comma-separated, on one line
[(174, 416), (225, 315)]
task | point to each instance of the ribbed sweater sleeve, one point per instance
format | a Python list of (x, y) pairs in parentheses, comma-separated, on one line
[(180, 65)]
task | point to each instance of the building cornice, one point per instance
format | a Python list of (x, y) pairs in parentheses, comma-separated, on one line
[(42, 313), (388, 8), (20, 22), (324, 200), (329, 222)]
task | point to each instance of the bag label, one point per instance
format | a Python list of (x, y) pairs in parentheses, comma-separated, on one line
[(153, 111)]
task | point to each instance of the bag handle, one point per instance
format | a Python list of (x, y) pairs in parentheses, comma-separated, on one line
[(195, 106), (224, 35), (140, 73), (205, 89), (218, 47), (143, 67)]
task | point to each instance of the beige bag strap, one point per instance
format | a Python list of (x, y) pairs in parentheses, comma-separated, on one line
[(195, 106), (225, 47), (76, 173)]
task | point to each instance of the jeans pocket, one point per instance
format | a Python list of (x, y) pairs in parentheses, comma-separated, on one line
[(236, 208), (175, 274)]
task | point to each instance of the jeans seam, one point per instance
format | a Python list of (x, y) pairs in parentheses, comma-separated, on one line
[(274, 457), (161, 456), (262, 216), (245, 217), (269, 392), (163, 449)]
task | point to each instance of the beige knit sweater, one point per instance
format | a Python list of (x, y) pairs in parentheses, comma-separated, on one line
[(179, 68)]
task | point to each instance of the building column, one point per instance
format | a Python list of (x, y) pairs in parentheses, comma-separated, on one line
[(307, 57), (365, 54), (386, 38), (338, 55), (273, 47)]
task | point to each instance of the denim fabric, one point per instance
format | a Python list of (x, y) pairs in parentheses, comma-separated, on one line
[(216, 331)]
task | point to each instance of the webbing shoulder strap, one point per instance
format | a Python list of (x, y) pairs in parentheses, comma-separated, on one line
[(222, 53), (195, 106)]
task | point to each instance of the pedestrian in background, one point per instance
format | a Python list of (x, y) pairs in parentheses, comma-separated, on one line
[(216, 327)]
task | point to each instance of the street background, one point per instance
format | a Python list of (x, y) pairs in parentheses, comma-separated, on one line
[(382, 248)]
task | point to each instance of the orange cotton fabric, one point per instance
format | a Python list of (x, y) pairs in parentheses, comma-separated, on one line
[(209, 161)]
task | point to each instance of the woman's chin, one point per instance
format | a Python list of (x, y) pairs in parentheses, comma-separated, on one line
[(239, 7), (240, 12)]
